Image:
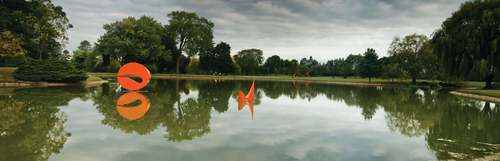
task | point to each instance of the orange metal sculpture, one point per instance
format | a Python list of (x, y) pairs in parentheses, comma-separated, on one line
[(133, 70), (244, 99)]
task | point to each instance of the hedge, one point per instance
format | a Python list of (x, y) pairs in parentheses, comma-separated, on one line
[(49, 71)]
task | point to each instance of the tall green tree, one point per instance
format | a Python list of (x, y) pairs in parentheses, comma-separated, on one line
[(39, 23), (392, 71), (409, 52), (310, 67), (249, 60), (274, 65), (218, 60), (192, 33), (85, 57), (369, 66), (352, 62), (470, 39), (340, 67), (291, 66), (134, 40)]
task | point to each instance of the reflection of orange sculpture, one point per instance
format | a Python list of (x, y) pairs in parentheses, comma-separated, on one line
[(242, 99), (132, 112), (133, 70)]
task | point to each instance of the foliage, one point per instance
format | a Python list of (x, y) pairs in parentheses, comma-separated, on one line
[(369, 67), (309, 67), (85, 57), (408, 52), (32, 125), (39, 23), (51, 70), (218, 60), (194, 67), (276, 65), (134, 40), (192, 33), (11, 49), (344, 67), (249, 60), (392, 71), (469, 41), (273, 65), (353, 62), (10, 45)]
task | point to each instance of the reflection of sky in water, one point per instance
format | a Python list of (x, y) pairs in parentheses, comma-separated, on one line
[(282, 129)]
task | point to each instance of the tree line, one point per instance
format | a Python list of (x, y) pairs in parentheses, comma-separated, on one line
[(465, 47)]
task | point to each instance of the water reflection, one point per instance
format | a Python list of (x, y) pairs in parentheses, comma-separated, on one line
[(243, 99), (132, 105), (31, 125)]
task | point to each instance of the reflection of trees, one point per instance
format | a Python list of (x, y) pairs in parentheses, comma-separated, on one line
[(31, 124), (466, 131), (408, 113), (192, 122), (454, 128), (184, 120), (105, 99), (216, 94)]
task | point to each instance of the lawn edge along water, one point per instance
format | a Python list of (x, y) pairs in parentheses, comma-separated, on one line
[(469, 89)]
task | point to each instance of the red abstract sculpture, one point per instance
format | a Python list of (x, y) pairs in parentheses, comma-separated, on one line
[(244, 99)]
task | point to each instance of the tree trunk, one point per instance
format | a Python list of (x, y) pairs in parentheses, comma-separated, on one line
[(488, 81), (178, 63), (413, 80), (177, 92), (105, 60)]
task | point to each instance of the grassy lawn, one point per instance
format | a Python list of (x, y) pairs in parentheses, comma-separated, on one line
[(273, 77)]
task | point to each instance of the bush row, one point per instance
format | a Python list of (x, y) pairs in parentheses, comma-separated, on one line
[(49, 71)]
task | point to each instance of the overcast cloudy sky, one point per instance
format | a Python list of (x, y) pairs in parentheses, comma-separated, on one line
[(324, 29)]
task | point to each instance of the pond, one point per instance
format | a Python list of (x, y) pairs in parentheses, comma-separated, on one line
[(204, 120)]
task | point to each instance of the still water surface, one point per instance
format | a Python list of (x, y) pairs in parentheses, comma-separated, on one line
[(202, 120)]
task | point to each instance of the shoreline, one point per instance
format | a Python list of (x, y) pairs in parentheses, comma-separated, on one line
[(322, 80), (477, 96), (463, 92), (27, 84)]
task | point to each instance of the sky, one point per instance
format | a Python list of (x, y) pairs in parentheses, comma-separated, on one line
[(292, 29)]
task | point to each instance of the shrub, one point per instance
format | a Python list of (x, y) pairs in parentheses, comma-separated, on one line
[(12, 61), (49, 71)]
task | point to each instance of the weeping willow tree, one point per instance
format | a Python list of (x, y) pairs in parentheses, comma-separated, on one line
[(469, 41)]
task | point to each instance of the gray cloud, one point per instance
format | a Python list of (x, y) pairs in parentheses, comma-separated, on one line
[(324, 29)]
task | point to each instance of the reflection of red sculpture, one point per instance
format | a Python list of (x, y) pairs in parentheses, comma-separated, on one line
[(133, 70), (132, 112), (242, 99)]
